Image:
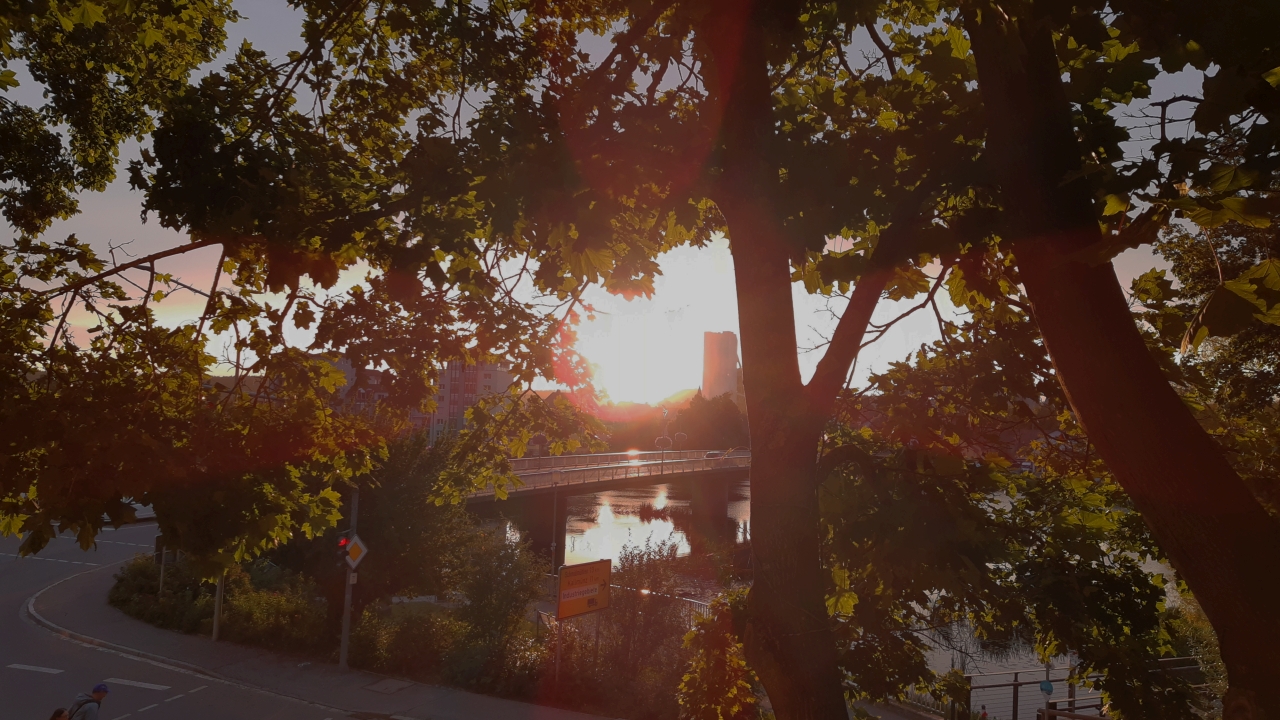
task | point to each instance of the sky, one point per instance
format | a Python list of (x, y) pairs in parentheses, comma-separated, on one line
[(641, 350)]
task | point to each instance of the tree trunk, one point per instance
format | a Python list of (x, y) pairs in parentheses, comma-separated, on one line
[(789, 638), (1218, 536)]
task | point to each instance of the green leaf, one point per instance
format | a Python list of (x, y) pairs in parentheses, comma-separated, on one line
[(1210, 214), (1116, 204), (89, 14), (151, 36), (1225, 313), (1226, 178), (959, 42), (8, 79), (1272, 76)]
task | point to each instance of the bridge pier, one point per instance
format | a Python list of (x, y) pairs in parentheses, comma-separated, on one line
[(709, 503), (544, 521)]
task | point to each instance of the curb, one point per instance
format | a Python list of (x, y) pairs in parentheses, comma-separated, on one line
[(30, 614), (29, 610)]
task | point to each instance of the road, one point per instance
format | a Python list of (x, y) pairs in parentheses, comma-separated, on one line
[(40, 671)]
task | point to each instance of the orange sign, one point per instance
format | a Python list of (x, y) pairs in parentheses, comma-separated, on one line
[(356, 551), (583, 588)]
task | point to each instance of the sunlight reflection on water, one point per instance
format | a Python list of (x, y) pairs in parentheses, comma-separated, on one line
[(600, 525)]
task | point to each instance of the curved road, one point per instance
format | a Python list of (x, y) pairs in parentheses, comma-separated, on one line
[(40, 671)]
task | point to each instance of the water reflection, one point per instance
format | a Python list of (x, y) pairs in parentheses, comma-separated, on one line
[(599, 525)]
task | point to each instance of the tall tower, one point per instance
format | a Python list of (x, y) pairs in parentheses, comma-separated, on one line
[(719, 364)]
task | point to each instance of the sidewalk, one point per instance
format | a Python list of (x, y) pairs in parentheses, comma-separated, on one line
[(79, 606)]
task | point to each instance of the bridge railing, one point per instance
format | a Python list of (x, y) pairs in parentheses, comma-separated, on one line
[(583, 475), (563, 462)]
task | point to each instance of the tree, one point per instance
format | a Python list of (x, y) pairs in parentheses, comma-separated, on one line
[(711, 116), (418, 546), (967, 509), (292, 195), (770, 135), (714, 423), (1215, 531)]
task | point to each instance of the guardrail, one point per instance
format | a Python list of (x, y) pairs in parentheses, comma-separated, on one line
[(585, 475), (562, 462)]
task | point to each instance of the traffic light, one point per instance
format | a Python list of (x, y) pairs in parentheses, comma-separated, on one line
[(344, 546)]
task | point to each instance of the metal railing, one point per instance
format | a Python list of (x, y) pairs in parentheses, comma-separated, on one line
[(1005, 698), (529, 465), (591, 474), (690, 610)]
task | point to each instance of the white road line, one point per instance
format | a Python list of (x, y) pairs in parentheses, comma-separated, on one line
[(197, 689), (135, 683), (148, 707), (117, 542), (34, 668), (175, 697), (46, 559)]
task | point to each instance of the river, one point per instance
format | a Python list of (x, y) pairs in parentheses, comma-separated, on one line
[(599, 525)]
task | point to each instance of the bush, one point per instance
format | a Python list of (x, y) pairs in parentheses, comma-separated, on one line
[(287, 617), (627, 661), (500, 581), (718, 685), (416, 642), (186, 604), (486, 643), (283, 615)]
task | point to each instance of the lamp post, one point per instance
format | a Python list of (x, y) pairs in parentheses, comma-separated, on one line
[(662, 443)]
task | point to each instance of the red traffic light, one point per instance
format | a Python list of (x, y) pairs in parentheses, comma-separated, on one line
[(343, 542)]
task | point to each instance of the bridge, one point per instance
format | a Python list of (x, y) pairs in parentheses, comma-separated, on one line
[(539, 504)]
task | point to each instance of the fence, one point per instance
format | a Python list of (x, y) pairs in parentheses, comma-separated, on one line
[(1006, 695), (690, 610), (523, 466)]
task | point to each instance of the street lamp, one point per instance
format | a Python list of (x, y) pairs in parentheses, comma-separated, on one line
[(662, 443)]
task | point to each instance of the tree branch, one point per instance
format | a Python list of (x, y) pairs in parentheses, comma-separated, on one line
[(137, 262), (829, 377), (628, 38), (889, 55)]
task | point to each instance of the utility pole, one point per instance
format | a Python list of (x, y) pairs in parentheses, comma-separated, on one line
[(350, 580)]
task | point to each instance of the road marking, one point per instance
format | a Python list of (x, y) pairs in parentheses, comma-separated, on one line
[(122, 717), (135, 683), (34, 668), (46, 559), (117, 542), (198, 689), (175, 697), (148, 707)]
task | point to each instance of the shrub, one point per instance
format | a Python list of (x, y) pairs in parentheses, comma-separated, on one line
[(186, 604), (283, 615), (288, 617), (416, 641), (627, 661), (500, 581), (718, 684)]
